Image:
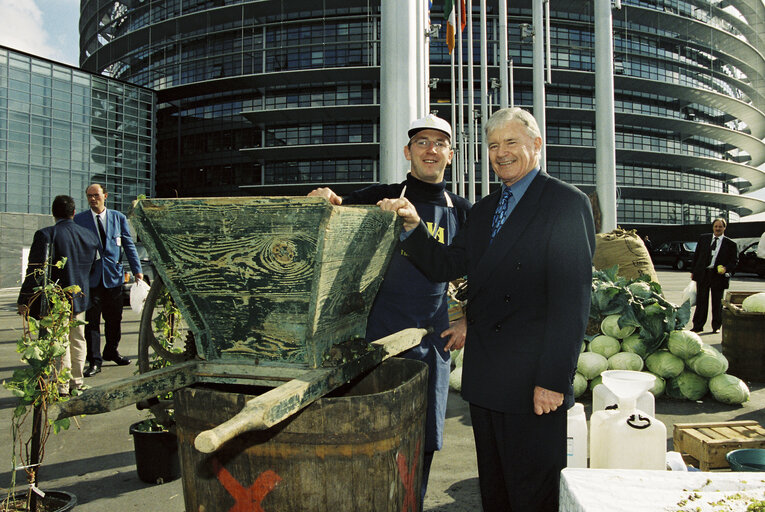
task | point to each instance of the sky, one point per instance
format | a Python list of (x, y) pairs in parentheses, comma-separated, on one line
[(49, 28)]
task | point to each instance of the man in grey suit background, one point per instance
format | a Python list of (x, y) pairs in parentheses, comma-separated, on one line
[(106, 280), (527, 251), (79, 246)]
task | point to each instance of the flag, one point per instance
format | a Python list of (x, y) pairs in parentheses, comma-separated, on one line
[(450, 15)]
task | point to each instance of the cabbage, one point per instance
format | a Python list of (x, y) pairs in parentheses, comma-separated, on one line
[(580, 384), (594, 382), (664, 364), (684, 344), (754, 303), (691, 386), (625, 361), (728, 389), (633, 343), (457, 357), (455, 379), (606, 346), (640, 289), (591, 364), (709, 362), (610, 327), (584, 347), (658, 385)]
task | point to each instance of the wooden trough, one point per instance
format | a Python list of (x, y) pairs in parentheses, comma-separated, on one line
[(276, 292)]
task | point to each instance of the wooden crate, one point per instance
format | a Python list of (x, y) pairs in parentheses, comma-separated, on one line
[(707, 443)]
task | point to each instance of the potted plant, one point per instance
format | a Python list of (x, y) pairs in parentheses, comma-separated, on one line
[(36, 385), (154, 439)]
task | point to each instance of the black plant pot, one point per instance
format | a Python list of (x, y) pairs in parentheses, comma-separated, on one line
[(54, 501), (156, 455)]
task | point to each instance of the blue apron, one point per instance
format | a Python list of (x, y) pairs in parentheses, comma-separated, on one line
[(409, 299)]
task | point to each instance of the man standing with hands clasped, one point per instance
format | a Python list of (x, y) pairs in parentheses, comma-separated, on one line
[(106, 280), (527, 251), (713, 261)]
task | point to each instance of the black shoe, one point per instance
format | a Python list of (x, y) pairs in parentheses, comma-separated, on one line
[(118, 359), (92, 370), (714, 331), (696, 329)]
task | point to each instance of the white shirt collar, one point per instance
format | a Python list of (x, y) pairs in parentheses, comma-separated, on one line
[(102, 215)]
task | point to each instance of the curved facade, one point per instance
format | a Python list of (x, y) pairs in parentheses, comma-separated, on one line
[(277, 97)]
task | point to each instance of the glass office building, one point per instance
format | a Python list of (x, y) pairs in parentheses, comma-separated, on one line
[(62, 129), (277, 97)]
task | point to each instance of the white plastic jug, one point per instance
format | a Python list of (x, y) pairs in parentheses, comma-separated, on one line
[(603, 398), (576, 433), (627, 438)]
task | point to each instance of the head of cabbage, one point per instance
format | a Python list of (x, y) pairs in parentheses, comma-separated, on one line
[(728, 389), (610, 327), (754, 303), (684, 344), (604, 345), (664, 364), (580, 384), (635, 344), (709, 362), (658, 387), (625, 361), (687, 385), (591, 364)]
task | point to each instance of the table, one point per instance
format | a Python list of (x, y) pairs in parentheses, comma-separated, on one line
[(630, 490)]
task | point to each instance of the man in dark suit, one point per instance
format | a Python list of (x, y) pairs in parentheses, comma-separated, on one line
[(715, 258), (527, 251), (80, 247), (106, 279)]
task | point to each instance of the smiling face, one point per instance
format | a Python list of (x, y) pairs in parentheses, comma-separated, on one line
[(513, 152), (718, 228), (429, 152)]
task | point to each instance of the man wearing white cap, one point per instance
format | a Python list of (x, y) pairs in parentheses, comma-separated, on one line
[(407, 298)]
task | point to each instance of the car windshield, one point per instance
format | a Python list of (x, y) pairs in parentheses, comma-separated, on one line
[(690, 246)]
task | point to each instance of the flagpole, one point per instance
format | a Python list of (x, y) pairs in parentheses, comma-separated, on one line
[(456, 167), (538, 75), (471, 106), (484, 103), (504, 80), (462, 150)]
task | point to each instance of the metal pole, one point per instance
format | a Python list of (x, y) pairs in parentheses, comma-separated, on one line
[(398, 92), (605, 125), (538, 76), (461, 153), (512, 87), (484, 103), (504, 81), (471, 106), (456, 167), (421, 41)]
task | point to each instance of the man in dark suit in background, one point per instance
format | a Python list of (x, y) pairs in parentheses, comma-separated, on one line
[(527, 251), (106, 280), (715, 258), (79, 246)]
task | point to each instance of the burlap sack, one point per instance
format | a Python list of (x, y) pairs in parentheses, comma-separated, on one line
[(626, 249)]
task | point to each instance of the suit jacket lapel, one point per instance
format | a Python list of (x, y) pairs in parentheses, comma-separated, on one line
[(518, 221)]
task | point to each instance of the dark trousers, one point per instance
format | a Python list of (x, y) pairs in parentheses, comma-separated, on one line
[(705, 287), (520, 457), (107, 302)]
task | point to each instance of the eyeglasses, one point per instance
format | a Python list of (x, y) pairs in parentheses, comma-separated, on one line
[(425, 144)]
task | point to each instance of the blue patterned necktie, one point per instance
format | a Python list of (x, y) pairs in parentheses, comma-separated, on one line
[(500, 215)]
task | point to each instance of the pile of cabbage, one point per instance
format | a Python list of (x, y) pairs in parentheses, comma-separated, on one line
[(632, 327)]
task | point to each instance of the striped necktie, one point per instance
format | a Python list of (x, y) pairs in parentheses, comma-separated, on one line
[(500, 215)]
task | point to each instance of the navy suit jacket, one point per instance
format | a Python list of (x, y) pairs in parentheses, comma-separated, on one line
[(74, 242), (108, 269), (727, 256), (528, 297)]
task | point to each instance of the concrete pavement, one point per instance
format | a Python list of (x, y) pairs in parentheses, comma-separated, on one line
[(94, 459)]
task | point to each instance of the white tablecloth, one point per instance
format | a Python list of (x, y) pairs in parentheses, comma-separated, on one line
[(631, 490)]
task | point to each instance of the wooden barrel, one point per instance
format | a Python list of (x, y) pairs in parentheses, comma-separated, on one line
[(360, 448), (743, 338)]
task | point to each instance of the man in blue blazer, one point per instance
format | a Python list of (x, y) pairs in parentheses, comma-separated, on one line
[(107, 278), (80, 247), (527, 251)]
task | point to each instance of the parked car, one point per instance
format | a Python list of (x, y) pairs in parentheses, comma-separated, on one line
[(678, 254), (749, 262), (146, 265)]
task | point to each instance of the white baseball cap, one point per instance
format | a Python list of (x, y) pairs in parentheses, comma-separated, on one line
[(430, 122)]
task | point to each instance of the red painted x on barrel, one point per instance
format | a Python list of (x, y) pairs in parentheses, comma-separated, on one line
[(407, 478), (247, 500)]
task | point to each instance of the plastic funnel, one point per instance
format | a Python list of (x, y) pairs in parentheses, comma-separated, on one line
[(627, 385)]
